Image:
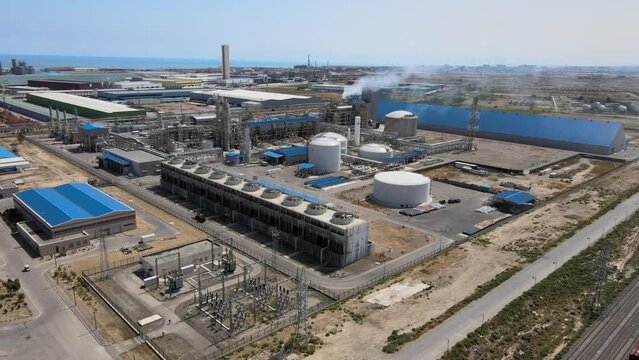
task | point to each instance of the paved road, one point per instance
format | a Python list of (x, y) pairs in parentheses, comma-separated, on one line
[(612, 336), (435, 342), (54, 332)]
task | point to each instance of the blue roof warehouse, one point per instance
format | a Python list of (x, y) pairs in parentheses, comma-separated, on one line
[(66, 217), (581, 135)]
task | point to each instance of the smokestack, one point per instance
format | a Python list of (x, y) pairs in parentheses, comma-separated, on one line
[(357, 134), (226, 65)]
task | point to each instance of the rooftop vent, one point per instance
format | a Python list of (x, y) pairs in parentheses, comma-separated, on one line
[(342, 218), (189, 164), (251, 187), (271, 193), (315, 209), (292, 200), (203, 170), (217, 175), (176, 161), (233, 180)]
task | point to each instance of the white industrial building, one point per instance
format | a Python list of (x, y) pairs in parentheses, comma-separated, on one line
[(403, 123), (377, 152), (10, 162), (325, 154), (401, 189), (136, 85), (304, 222)]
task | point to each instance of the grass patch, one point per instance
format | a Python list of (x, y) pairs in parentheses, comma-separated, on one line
[(553, 313)]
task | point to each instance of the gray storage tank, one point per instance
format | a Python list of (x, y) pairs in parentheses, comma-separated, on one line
[(402, 122)]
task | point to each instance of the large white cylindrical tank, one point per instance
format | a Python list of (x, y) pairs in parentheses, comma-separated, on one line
[(325, 154), (335, 136), (401, 189), (377, 152), (401, 122)]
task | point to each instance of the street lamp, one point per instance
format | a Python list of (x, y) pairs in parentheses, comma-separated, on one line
[(535, 279), (555, 263)]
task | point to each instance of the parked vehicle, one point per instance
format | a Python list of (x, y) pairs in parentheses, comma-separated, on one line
[(454, 201), (26, 268)]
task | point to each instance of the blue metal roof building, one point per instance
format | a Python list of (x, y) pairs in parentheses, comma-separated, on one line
[(65, 203), (89, 127), (581, 135), (516, 197), (5, 153)]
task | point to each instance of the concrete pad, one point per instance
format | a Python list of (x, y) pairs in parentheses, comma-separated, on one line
[(395, 293)]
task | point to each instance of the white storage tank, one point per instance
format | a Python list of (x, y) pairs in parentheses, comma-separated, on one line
[(402, 122), (343, 141), (401, 189), (325, 154), (377, 152)]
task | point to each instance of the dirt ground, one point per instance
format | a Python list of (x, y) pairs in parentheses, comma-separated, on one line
[(11, 308), (358, 196), (46, 170), (140, 352), (358, 330), (543, 187), (400, 239)]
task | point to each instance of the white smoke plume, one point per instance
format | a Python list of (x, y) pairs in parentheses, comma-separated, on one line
[(377, 81)]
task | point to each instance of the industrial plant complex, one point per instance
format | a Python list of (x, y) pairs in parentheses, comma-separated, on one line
[(211, 208)]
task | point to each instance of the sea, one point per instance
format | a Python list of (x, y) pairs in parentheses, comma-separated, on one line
[(128, 64)]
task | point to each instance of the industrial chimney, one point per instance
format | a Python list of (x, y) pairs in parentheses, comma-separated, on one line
[(357, 132), (226, 66)]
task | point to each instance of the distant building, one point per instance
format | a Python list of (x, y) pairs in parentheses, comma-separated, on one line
[(91, 108), (238, 97), (10, 162), (91, 135), (20, 68), (66, 217), (55, 84), (136, 85), (137, 162)]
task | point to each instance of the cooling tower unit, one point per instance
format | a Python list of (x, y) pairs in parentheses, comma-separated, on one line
[(402, 122), (325, 154), (377, 152), (335, 136), (401, 189)]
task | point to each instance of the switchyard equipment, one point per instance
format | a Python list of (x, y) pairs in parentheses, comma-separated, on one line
[(330, 237), (401, 189)]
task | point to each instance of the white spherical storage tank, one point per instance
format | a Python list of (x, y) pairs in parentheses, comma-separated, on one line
[(335, 136), (377, 152), (325, 154), (401, 189)]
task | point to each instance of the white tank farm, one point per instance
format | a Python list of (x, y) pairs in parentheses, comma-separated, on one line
[(377, 152), (335, 136), (402, 122), (401, 189), (325, 154)]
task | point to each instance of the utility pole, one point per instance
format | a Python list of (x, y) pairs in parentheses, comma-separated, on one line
[(601, 276), (302, 334)]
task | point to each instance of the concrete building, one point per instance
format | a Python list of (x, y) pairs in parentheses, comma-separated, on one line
[(136, 162), (226, 64), (136, 85), (8, 189), (91, 135), (265, 100), (68, 216), (91, 108), (201, 252), (305, 223), (10, 162), (55, 84)]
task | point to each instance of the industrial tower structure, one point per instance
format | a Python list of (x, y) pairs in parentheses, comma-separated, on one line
[(226, 65), (473, 126)]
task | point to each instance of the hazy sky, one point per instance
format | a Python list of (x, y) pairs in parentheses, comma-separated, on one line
[(397, 32)]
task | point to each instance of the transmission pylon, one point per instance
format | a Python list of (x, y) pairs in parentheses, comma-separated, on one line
[(104, 263), (603, 257), (473, 126), (302, 333)]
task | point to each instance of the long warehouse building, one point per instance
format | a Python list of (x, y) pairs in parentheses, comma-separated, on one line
[(67, 216), (581, 135), (91, 108), (305, 223)]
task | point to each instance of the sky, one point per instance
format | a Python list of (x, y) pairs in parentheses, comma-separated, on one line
[(368, 32)]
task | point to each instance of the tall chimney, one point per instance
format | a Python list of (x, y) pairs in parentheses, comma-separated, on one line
[(226, 65), (357, 134)]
